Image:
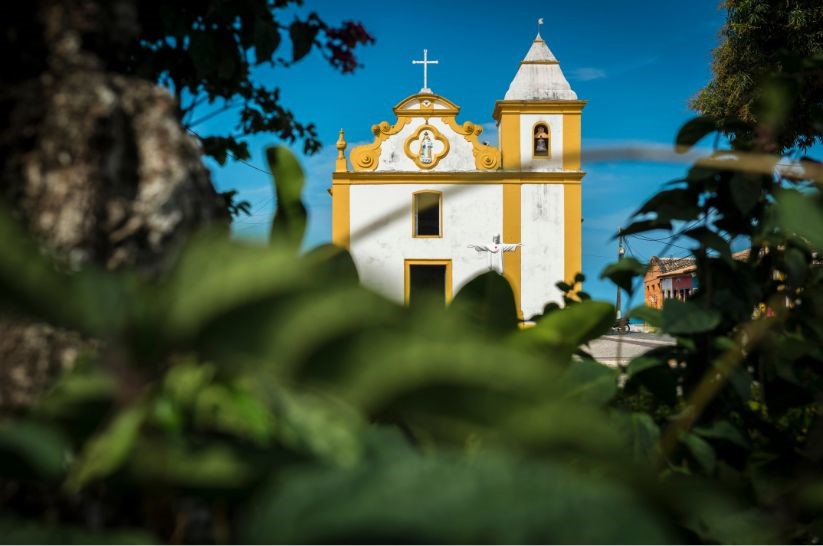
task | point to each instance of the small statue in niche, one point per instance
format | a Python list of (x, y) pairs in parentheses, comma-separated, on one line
[(426, 147), (541, 141)]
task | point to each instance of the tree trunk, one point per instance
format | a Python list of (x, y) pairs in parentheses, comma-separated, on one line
[(98, 169)]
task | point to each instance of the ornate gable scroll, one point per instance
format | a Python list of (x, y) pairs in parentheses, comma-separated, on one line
[(426, 137)]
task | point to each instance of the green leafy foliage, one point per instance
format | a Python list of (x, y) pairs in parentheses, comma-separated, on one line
[(685, 317), (728, 397), (766, 72), (411, 498), (207, 52), (275, 380), (255, 394)]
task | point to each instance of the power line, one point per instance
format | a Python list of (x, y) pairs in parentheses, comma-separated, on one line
[(234, 157), (668, 244), (256, 207)]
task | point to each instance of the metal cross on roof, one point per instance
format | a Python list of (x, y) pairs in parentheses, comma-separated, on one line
[(425, 62)]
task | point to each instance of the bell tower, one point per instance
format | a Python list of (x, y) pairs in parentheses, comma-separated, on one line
[(539, 128)]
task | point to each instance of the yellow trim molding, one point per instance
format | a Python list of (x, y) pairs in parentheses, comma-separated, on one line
[(424, 105), (414, 214), (407, 275), (509, 126), (571, 141), (436, 157), (572, 232), (537, 107), (340, 220), (511, 234), (458, 177)]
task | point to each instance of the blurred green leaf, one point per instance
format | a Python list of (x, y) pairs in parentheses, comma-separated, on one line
[(34, 449), (798, 213), (328, 429), (211, 465), (623, 272), (89, 301), (649, 315), (746, 190), (711, 240), (19, 531), (289, 223), (266, 39), (87, 385), (186, 379), (302, 36), (589, 381), (447, 499), (233, 410), (653, 372), (384, 368), (640, 226), (564, 330), (686, 317), (487, 302), (333, 262), (674, 204), (723, 430), (692, 132), (643, 435), (108, 450), (215, 276), (701, 450), (642, 363)]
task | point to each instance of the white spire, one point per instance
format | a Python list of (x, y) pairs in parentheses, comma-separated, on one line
[(539, 76)]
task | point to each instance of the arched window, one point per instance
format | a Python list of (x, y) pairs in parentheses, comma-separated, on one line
[(541, 142), (427, 214)]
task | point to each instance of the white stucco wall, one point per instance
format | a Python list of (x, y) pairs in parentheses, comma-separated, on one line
[(393, 157), (555, 161), (472, 213), (542, 251)]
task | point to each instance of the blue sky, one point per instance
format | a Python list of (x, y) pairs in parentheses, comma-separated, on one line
[(637, 63)]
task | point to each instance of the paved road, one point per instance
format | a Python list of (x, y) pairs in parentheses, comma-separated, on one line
[(620, 349)]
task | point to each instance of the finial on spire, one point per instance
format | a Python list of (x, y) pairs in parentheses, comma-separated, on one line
[(539, 24), (425, 62), (340, 164)]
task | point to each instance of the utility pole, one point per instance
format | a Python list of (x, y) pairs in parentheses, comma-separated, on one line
[(620, 251)]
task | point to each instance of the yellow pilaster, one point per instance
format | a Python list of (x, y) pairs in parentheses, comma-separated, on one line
[(572, 230), (511, 234), (510, 140), (571, 141), (340, 221), (572, 201)]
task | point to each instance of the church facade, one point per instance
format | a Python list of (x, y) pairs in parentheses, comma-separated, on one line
[(428, 205)]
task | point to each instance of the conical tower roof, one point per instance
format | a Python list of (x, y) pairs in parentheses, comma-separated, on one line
[(539, 77)]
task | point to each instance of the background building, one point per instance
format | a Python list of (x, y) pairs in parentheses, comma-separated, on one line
[(669, 278)]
